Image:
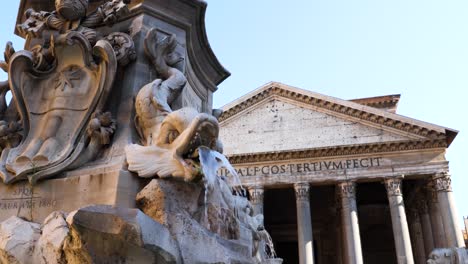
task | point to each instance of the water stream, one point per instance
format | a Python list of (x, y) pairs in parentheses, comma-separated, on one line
[(211, 161)]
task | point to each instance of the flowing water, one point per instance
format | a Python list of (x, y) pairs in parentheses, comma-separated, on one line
[(271, 253), (211, 161)]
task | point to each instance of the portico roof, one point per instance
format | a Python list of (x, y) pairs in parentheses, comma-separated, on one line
[(358, 108)]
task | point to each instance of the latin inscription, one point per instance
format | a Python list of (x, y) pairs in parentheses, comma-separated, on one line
[(23, 197), (305, 167)]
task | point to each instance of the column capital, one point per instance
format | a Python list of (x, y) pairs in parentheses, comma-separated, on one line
[(302, 191), (394, 186), (442, 182), (347, 189), (256, 194)]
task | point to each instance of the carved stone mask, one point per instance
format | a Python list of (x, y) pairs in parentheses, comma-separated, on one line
[(71, 9)]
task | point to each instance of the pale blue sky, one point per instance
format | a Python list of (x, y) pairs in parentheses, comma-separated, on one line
[(346, 49), (352, 49)]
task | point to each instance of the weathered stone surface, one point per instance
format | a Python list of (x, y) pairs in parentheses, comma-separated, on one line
[(161, 198), (448, 256), (106, 234), (219, 222), (49, 247), (79, 189), (17, 239)]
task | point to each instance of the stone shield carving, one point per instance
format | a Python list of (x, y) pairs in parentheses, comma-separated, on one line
[(56, 105)]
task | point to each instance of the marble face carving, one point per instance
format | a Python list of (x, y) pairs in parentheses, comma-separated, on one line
[(59, 89), (170, 138)]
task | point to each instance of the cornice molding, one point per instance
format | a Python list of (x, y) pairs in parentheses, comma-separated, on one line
[(385, 101), (334, 107), (337, 151)]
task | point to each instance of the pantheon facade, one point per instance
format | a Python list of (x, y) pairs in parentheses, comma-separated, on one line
[(342, 181)]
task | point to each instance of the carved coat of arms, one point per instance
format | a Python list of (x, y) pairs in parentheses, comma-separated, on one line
[(59, 88)]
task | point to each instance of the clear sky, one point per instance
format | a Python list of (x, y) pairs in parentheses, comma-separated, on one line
[(346, 49)]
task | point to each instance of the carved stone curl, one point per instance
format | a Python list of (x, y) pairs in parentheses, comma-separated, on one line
[(124, 47), (394, 186)]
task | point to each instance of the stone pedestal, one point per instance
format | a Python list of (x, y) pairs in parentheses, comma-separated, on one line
[(443, 187), (400, 225), (349, 216), (80, 188), (304, 224)]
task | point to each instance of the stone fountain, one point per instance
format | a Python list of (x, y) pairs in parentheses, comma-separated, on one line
[(109, 147)]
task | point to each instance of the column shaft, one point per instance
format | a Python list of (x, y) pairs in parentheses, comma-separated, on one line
[(436, 218), (349, 216), (417, 237), (400, 225), (453, 233), (304, 224), (426, 226)]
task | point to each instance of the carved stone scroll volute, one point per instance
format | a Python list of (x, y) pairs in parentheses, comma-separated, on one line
[(56, 105)]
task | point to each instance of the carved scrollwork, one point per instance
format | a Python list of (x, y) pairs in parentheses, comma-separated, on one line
[(302, 191), (101, 128), (70, 15), (394, 186), (11, 131), (107, 13)]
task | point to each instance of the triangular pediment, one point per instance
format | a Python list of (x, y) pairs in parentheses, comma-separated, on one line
[(280, 118)]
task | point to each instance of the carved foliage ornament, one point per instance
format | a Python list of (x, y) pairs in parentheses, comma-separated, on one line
[(347, 189), (302, 191), (393, 186), (443, 183), (256, 195)]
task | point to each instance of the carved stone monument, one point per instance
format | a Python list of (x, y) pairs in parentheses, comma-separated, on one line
[(109, 147)]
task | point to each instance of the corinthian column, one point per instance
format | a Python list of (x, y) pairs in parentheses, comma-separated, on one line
[(256, 199), (443, 187), (400, 225), (350, 222), (304, 223)]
